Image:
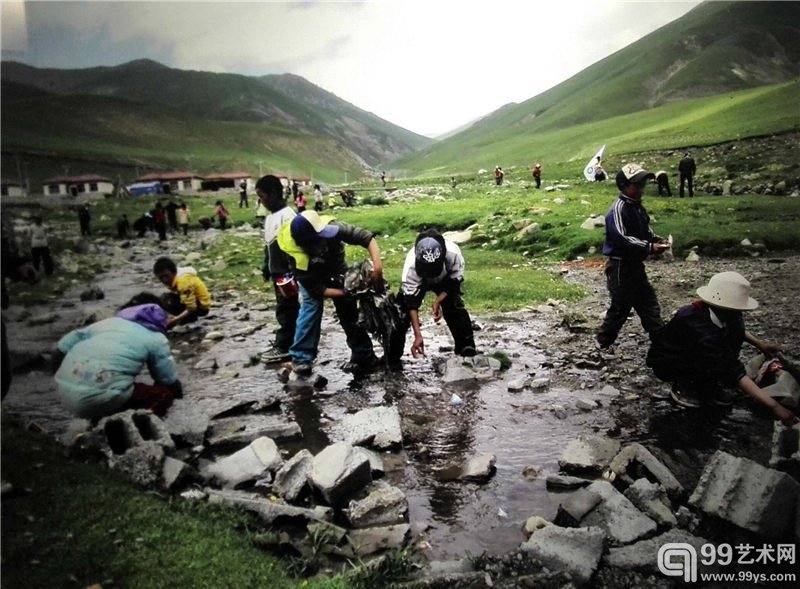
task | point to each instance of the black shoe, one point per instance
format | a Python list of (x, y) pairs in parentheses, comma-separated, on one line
[(364, 366), (468, 352), (684, 397)]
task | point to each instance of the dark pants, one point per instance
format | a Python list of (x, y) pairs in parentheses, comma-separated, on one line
[(538, 181), (171, 302), (185, 228), (687, 178), (455, 315), (243, 200), (286, 310), (156, 398), (161, 228), (629, 289), (223, 222), (663, 186), (693, 377), (42, 255), (6, 362), (85, 230)]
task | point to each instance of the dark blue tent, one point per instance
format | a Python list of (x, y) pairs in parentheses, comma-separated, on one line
[(145, 188)]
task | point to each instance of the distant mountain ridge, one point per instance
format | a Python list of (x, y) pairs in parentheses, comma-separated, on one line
[(282, 100)]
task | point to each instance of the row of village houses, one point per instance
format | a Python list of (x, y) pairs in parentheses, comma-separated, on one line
[(157, 183)]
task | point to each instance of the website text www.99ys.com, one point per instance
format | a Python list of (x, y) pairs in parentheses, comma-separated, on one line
[(680, 559)]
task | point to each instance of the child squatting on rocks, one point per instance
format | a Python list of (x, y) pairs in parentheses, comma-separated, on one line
[(188, 298), (698, 350)]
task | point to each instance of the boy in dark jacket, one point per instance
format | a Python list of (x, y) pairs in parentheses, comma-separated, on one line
[(629, 241), (698, 350), (316, 246)]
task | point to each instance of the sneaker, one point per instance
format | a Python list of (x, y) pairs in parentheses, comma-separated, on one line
[(302, 368), (275, 355), (468, 352), (365, 366), (684, 397)]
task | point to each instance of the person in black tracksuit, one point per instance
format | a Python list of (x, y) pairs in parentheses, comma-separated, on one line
[(629, 241), (698, 350), (687, 169)]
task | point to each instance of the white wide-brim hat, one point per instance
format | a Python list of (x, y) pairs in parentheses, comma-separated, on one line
[(728, 290)]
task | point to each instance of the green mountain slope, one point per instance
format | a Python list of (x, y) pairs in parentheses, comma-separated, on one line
[(230, 97), (716, 48)]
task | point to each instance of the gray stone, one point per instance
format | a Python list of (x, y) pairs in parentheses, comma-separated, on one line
[(586, 404), (576, 506), (243, 430), (576, 551), (266, 509), (142, 463), (174, 472), (116, 434), (187, 422), (383, 505), (338, 471), (747, 494), (786, 449), (366, 541), (589, 454), (375, 460), (515, 386), (214, 336), (533, 524), (478, 467), (378, 427), (617, 516), (643, 555), (652, 500), (456, 371), (292, 477), (557, 481), (635, 458), (247, 464), (593, 222)]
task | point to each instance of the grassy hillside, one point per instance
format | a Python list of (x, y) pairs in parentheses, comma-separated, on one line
[(276, 100), (123, 135), (700, 121), (714, 51)]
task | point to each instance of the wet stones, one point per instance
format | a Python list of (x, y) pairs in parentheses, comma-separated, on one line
[(562, 482), (617, 516), (588, 454), (243, 430), (292, 478), (378, 427), (652, 500), (338, 471), (576, 551), (383, 505), (747, 494), (368, 541), (643, 555), (635, 461), (248, 464), (478, 468), (266, 509), (458, 369), (786, 449)]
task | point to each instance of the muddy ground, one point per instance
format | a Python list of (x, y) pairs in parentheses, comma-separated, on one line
[(527, 428)]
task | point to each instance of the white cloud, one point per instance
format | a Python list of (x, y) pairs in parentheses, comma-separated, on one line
[(428, 65)]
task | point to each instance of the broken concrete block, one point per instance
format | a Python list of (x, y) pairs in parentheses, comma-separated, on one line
[(617, 516), (644, 554), (588, 454), (383, 505), (576, 551), (786, 449), (292, 477), (367, 541), (266, 509), (378, 427), (478, 468), (575, 507), (338, 471), (247, 464), (635, 461), (244, 430), (652, 500), (375, 461), (747, 494), (558, 481), (174, 472)]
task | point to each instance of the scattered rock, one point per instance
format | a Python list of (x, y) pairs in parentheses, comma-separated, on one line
[(267, 509), (243, 430), (175, 472), (516, 386), (247, 464), (94, 293), (576, 551), (557, 481), (383, 505), (292, 478), (588, 454), (635, 461), (338, 471), (651, 499), (376, 426), (643, 554), (478, 468), (368, 541), (534, 524), (617, 516), (530, 472), (575, 507)]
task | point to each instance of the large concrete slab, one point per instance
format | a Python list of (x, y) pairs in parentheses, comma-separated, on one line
[(576, 551)]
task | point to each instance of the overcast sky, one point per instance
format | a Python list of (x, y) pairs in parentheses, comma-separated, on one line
[(429, 65)]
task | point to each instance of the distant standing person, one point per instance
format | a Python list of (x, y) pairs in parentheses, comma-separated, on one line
[(222, 214), (318, 204), (599, 172), (84, 219), (383, 178), (243, 194), (629, 241), (171, 208), (537, 175), (687, 169), (662, 179), (300, 201), (123, 226), (277, 268), (498, 175), (160, 221), (183, 218), (452, 181), (295, 188), (40, 247)]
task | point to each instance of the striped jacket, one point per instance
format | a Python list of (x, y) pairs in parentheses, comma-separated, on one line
[(628, 234)]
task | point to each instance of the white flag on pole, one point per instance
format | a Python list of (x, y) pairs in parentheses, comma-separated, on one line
[(588, 171)]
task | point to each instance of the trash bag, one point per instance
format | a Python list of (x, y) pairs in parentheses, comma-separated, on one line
[(378, 312)]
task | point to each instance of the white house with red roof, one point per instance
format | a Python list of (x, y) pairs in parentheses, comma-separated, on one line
[(173, 182), (87, 184)]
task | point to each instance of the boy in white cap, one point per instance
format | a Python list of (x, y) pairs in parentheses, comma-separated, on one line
[(629, 241), (698, 350)]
